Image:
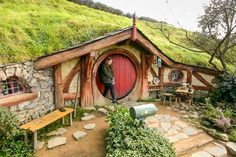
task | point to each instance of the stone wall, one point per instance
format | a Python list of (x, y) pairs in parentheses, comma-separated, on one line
[(40, 81)]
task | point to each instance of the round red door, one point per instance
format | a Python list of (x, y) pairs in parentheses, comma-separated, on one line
[(125, 76)]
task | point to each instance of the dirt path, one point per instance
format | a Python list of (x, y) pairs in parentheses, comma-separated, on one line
[(93, 145)]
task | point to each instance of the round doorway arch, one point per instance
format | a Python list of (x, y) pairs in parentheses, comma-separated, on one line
[(126, 71)]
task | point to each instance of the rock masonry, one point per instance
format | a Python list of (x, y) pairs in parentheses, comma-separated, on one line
[(40, 81)]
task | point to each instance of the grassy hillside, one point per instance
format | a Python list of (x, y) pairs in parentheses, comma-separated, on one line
[(33, 28)]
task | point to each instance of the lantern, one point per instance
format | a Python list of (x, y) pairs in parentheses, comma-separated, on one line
[(159, 62)]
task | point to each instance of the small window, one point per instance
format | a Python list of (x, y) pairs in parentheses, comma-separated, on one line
[(176, 76), (11, 86)]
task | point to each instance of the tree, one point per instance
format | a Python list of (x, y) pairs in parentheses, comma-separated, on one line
[(218, 31)]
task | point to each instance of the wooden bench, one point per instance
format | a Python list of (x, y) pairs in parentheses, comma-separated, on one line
[(45, 120)]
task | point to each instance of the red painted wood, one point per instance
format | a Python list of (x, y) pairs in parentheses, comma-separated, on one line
[(125, 76)]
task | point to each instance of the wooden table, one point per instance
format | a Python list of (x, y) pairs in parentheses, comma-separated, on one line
[(184, 93)]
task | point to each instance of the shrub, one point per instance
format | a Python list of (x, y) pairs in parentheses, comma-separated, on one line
[(232, 135), (12, 138), (215, 117), (225, 91), (130, 138)]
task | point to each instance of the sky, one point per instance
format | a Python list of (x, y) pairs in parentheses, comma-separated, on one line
[(181, 13)]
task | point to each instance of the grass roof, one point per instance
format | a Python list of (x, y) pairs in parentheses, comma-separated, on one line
[(33, 28)]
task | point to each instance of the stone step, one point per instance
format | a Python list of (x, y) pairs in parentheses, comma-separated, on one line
[(184, 146)]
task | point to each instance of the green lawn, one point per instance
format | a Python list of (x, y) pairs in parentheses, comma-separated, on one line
[(33, 28)]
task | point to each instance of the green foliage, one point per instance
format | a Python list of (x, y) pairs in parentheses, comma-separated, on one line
[(12, 138), (215, 117), (30, 29), (130, 138), (232, 135), (225, 91)]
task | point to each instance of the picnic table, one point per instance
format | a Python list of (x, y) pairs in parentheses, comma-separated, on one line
[(184, 93)]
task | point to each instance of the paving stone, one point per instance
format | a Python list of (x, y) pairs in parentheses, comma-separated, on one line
[(182, 111), (159, 116), (110, 107), (175, 109), (231, 146), (79, 134), (103, 110), (40, 145), (152, 119), (56, 141), (165, 118), (181, 136), (58, 132), (176, 127), (222, 136), (89, 117), (172, 132), (173, 139), (201, 154), (181, 124), (89, 126), (86, 114), (185, 116), (172, 118), (90, 108), (165, 126), (216, 151), (153, 125), (168, 108), (190, 131), (160, 130), (194, 116), (177, 137)]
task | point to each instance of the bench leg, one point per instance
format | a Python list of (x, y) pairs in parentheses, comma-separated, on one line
[(35, 140), (164, 101), (71, 119), (63, 120), (170, 98)]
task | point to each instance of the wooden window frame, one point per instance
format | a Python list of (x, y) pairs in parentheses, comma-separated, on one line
[(178, 81)]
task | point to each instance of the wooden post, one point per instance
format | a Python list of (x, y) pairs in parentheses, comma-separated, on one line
[(86, 94), (189, 77), (144, 89), (59, 99), (161, 76)]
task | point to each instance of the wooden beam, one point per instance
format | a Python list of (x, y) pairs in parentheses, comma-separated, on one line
[(144, 72), (58, 87), (201, 79), (201, 88), (149, 46), (67, 81), (86, 94), (63, 56), (70, 96), (17, 99)]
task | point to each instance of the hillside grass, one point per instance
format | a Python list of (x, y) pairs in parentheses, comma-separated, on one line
[(33, 28)]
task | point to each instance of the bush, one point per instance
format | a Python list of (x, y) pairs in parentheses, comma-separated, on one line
[(232, 135), (225, 91), (130, 138), (12, 138), (215, 117)]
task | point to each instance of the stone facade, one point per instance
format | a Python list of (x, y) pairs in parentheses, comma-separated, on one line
[(40, 81)]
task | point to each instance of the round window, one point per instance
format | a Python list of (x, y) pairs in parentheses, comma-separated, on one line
[(176, 75)]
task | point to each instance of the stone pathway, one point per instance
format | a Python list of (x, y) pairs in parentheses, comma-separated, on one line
[(185, 137)]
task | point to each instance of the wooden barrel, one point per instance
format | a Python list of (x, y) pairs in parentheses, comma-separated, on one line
[(125, 76)]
